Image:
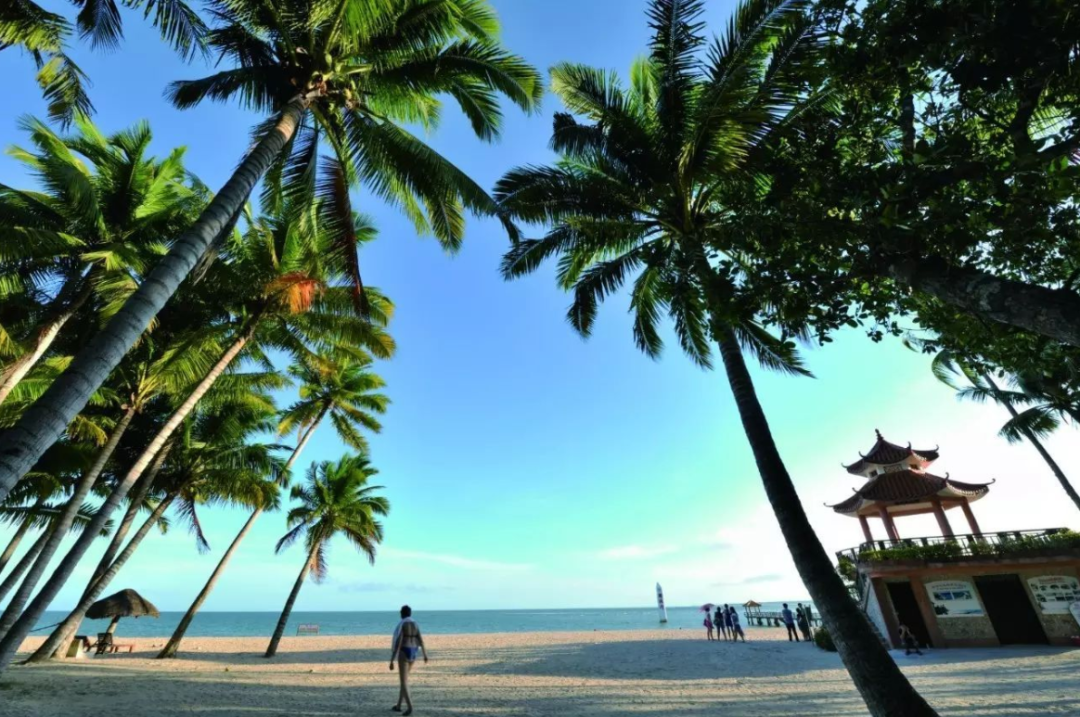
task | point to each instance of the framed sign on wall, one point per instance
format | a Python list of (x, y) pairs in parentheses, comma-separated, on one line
[(954, 598), (1054, 593)]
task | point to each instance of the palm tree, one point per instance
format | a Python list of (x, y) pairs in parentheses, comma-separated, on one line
[(44, 35), (146, 375), (650, 184), (336, 498), (1049, 399), (346, 391), (346, 74), (281, 280), (212, 462), (94, 230)]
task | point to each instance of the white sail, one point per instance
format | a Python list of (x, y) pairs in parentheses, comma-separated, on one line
[(660, 603)]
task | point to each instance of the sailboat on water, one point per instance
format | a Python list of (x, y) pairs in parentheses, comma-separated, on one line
[(660, 603)]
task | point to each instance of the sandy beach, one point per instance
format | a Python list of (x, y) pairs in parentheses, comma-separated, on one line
[(566, 674)]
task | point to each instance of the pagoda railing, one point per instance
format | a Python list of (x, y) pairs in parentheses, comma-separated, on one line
[(939, 548)]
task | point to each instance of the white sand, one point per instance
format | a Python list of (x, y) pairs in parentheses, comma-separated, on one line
[(564, 674)]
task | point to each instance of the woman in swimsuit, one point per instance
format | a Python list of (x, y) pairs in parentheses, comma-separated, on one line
[(408, 644)]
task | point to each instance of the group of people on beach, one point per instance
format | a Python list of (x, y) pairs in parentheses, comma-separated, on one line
[(800, 618), (726, 622)]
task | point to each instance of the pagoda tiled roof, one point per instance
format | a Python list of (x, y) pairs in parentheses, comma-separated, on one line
[(907, 487), (885, 453)]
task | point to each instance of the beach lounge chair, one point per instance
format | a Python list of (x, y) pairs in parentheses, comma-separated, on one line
[(104, 643), (78, 644)]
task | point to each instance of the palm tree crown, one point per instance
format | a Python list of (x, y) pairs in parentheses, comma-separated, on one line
[(361, 68), (336, 498), (647, 176), (346, 391)]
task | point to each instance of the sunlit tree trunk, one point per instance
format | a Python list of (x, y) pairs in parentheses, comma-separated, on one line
[(20, 567), (20, 533), (10, 641), (883, 686), (173, 645), (46, 336), (44, 422), (62, 635), (63, 524), (283, 621)]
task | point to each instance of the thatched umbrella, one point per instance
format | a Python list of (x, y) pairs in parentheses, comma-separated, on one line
[(126, 603)]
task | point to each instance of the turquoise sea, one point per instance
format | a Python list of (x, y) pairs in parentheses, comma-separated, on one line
[(253, 624)]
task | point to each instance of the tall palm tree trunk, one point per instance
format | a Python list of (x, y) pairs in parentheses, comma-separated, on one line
[(63, 633), (20, 567), (20, 533), (138, 495), (44, 422), (271, 649), (1034, 440), (11, 640), (63, 524), (173, 645), (45, 338), (883, 687)]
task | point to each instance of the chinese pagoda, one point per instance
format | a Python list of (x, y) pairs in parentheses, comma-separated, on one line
[(953, 590), (898, 484)]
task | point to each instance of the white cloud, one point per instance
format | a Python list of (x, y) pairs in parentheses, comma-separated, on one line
[(456, 561), (636, 552)]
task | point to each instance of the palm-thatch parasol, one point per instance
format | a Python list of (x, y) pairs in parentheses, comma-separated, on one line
[(126, 603), (752, 605)]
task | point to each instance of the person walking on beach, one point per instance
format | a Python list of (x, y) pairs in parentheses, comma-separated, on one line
[(708, 626), (408, 643), (802, 617), (789, 623), (736, 628), (907, 637), (721, 628)]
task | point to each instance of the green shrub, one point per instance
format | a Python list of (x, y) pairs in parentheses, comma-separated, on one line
[(1006, 546), (824, 640)]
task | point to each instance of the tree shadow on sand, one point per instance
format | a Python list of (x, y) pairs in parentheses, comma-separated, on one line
[(659, 660)]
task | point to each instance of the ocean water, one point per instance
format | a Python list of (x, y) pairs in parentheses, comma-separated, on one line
[(257, 624)]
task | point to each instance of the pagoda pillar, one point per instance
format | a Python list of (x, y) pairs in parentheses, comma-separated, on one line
[(972, 523), (942, 520), (890, 526), (866, 528)]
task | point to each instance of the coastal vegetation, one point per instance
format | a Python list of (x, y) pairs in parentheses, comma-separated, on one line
[(809, 168)]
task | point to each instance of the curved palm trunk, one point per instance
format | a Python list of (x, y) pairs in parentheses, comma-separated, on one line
[(173, 645), (1034, 440), (44, 422), (63, 524), (64, 632), (138, 495), (46, 337), (20, 533), (22, 627), (20, 567), (271, 649), (883, 687)]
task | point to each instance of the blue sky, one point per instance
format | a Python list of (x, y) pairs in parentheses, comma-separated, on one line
[(529, 468)]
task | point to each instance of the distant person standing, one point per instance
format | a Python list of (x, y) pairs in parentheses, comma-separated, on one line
[(789, 623), (408, 644), (736, 628), (802, 616), (907, 637), (727, 620), (708, 627), (721, 628)]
